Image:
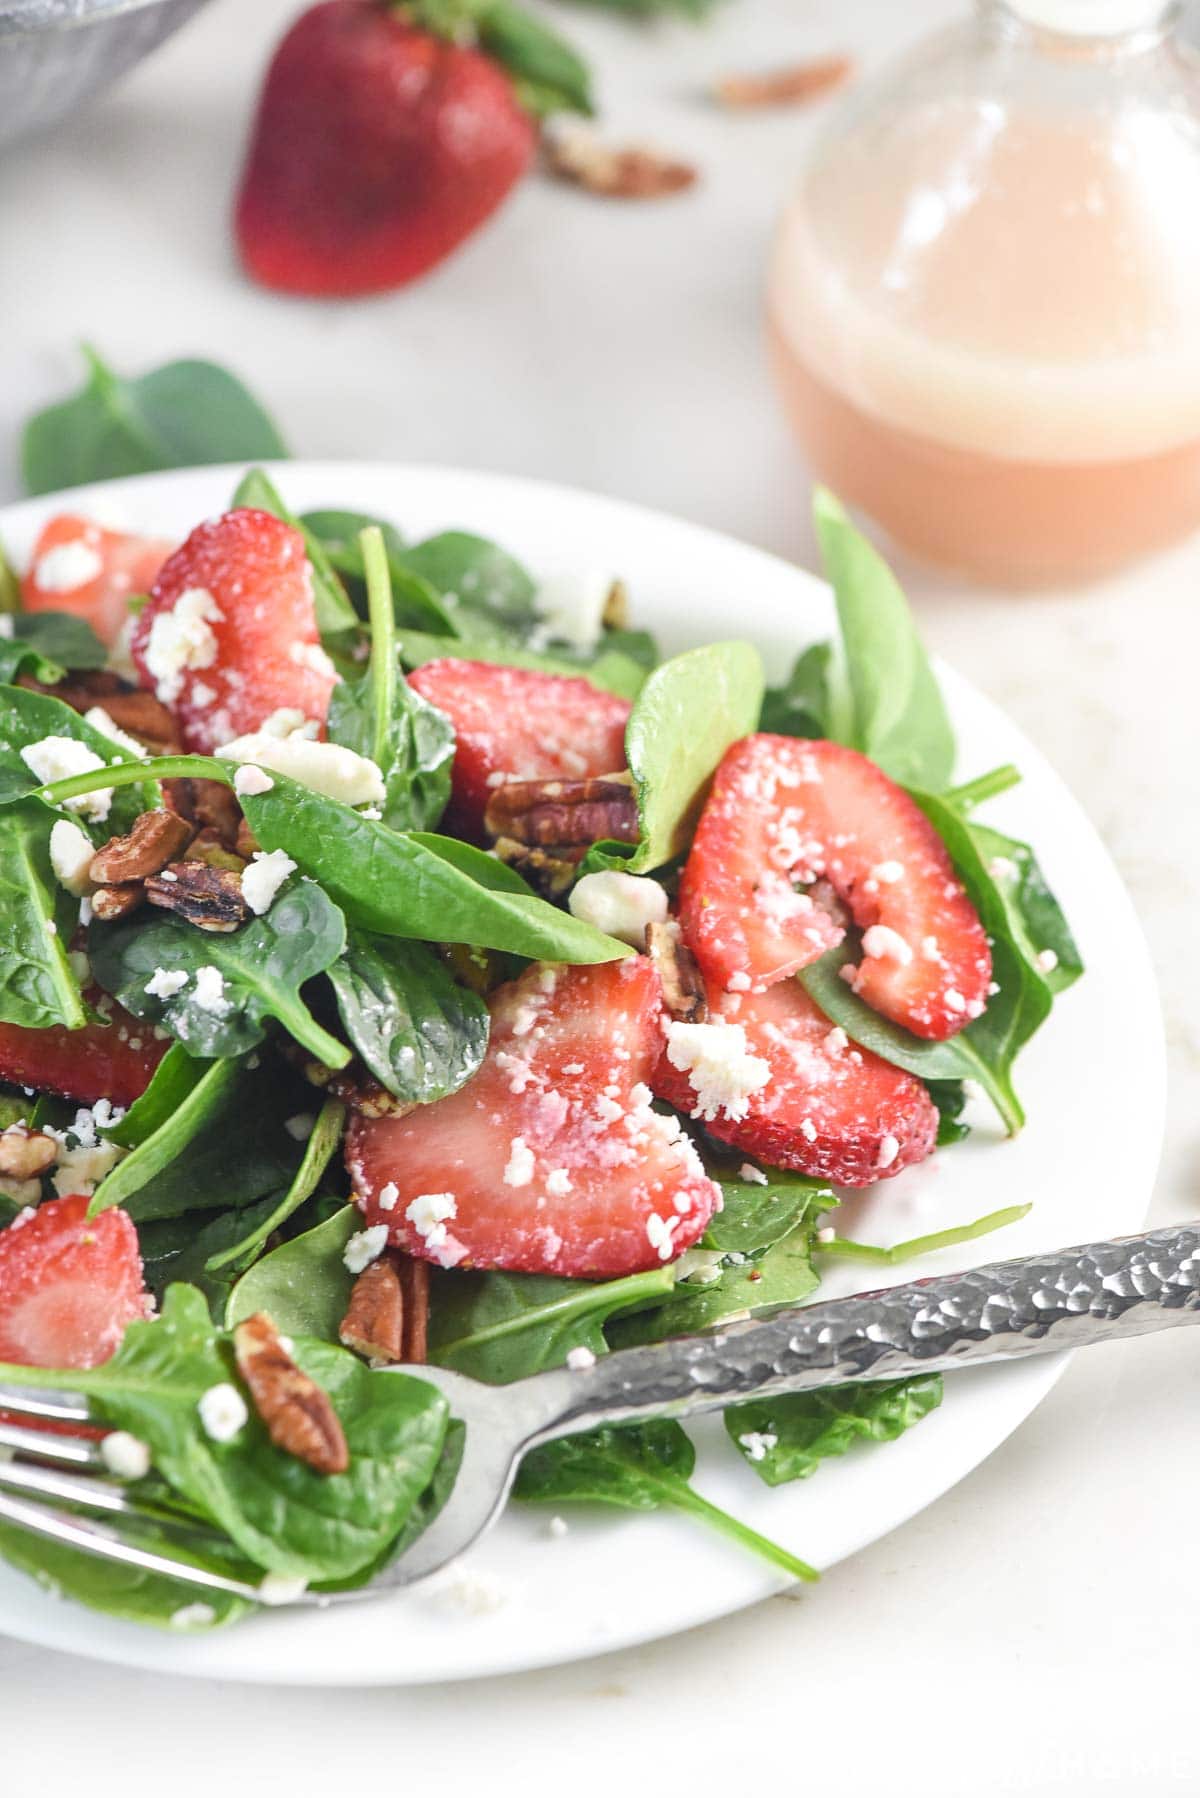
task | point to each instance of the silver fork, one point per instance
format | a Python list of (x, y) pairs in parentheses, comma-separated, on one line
[(1097, 1293)]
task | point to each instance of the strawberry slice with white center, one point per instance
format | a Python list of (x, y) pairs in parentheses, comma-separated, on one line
[(230, 634), (78, 566), (770, 1074), (515, 724), (550, 1160), (785, 813), (69, 1284)]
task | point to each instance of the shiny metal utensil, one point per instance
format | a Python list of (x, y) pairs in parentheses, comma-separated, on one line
[(1097, 1293), (57, 55)]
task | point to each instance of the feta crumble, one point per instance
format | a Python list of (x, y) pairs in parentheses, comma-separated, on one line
[(758, 1443), (249, 781), (210, 990), (323, 767), (753, 1176), (126, 1457), (71, 852), (281, 1588), (99, 720), (558, 1183), (67, 567), (882, 943), (222, 1411), (180, 639), (660, 1232), (193, 1616), (300, 1127), (519, 1168), (717, 1060), (580, 1359), (889, 1148), (389, 1196), (312, 657), (364, 1247), (621, 905), (164, 983), (429, 1214), (262, 878), (1047, 961), (572, 605), (57, 758)]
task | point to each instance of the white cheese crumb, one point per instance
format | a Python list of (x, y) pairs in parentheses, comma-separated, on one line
[(210, 990), (469, 1593), (887, 873), (826, 1233), (126, 1457), (180, 639), (754, 1176), (71, 852), (558, 1183), (572, 605), (836, 1040), (619, 904), (67, 566), (193, 1616), (82, 1168), (6, 624), (99, 720), (222, 1412), (758, 1443), (250, 781), (660, 1232), (889, 1148), (580, 1359), (739, 982), (1047, 961), (364, 1247), (717, 1060), (519, 1168), (164, 983), (262, 878), (57, 758), (953, 999), (372, 812), (389, 1196), (289, 721), (300, 1127), (881, 943), (202, 695), (281, 1588), (1001, 867), (557, 1528), (312, 657), (429, 1213), (323, 767)]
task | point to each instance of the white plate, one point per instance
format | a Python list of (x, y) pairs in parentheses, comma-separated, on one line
[(614, 1580)]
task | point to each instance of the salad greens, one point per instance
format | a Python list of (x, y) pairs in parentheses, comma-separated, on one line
[(351, 990)]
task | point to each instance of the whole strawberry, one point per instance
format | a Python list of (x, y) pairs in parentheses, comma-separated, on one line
[(386, 134)]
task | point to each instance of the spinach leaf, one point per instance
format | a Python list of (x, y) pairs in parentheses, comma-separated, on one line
[(277, 1511), (318, 1153), (174, 1079), (950, 1097), (174, 1108), (173, 417), (419, 1032), (179, 1248), (10, 585), (263, 965), (500, 1327), (303, 1285), (412, 886), (783, 1276), (382, 718), (893, 709), (787, 1438), (923, 1245), (645, 1467), (37, 985), (25, 718), (45, 645), (473, 574), (1035, 918), (335, 615), (801, 707), (338, 532), (755, 1217)]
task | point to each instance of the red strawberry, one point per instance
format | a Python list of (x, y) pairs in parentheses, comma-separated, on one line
[(101, 1061), (78, 566), (550, 1159), (811, 1099), (69, 1284), (783, 811), (380, 145), (521, 725), (230, 634)]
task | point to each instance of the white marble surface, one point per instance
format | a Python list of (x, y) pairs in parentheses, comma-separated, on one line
[(1035, 1630)]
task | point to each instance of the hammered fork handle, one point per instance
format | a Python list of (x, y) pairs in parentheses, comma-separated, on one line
[(1096, 1293)]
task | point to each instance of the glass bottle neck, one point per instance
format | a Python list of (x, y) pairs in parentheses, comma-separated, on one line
[(1101, 27)]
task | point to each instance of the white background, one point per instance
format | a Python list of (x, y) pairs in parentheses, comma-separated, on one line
[(1035, 1631)]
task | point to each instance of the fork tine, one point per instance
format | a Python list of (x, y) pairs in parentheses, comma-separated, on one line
[(58, 1407), (59, 1451), (91, 1494)]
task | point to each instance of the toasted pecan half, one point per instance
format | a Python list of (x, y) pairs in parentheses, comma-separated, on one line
[(388, 1316), (111, 903), (209, 898), (555, 814), (633, 172), (298, 1414), (25, 1153), (679, 971), (157, 838), (790, 86)]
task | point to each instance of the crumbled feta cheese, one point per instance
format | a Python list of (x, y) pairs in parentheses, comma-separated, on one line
[(364, 1247), (126, 1457), (827, 1233), (262, 878), (758, 1443), (580, 1359), (619, 904), (81, 1168), (717, 1060), (699, 1267), (836, 1040), (57, 758), (429, 1213), (164, 983), (324, 767), (1002, 868), (67, 566), (99, 720), (389, 1196), (300, 1127), (210, 990), (202, 695), (953, 999), (71, 852), (519, 1167), (558, 1183), (312, 657), (889, 1148), (193, 1616), (370, 811), (739, 982), (180, 639), (572, 605), (27, 1211), (470, 1593), (281, 1588), (289, 721), (250, 781), (1047, 961), (881, 943), (660, 1232), (887, 873), (754, 1176), (808, 1130), (557, 1528), (222, 1411)]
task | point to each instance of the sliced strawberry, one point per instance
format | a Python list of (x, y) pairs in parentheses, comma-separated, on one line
[(69, 1284), (230, 634), (784, 811), (808, 1098), (514, 724), (102, 1061), (78, 566), (550, 1160)]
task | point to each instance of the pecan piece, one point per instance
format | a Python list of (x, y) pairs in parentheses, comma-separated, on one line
[(210, 898), (25, 1153), (388, 1316), (111, 903), (414, 1284), (215, 806), (208, 846), (298, 1414), (146, 718), (156, 838), (631, 173), (80, 691), (789, 86), (554, 814), (679, 971), (247, 844), (550, 871), (352, 1085)]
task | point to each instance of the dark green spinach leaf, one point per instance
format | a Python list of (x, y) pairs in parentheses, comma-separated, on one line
[(303, 1285), (44, 645), (787, 1438), (419, 1032), (499, 1327), (38, 987), (26, 718)]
